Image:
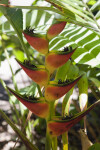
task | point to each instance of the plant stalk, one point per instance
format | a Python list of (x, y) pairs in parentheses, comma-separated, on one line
[(54, 143), (7, 56), (65, 140), (50, 142)]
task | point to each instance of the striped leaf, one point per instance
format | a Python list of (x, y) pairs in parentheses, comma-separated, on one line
[(88, 51)]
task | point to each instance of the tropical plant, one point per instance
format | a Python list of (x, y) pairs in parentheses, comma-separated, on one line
[(66, 34)]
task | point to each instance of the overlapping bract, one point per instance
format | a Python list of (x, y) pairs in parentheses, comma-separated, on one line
[(39, 43), (54, 91), (56, 59), (37, 73), (36, 105), (55, 29)]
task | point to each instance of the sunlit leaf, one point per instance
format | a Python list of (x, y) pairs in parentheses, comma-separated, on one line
[(88, 44), (14, 16), (39, 18), (96, 82), (95, 6), (95, 146)]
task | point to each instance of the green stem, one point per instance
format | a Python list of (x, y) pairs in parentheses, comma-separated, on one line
[(89, 10), (66, 102), (52, 113), (37, 8), (54, 143), (39, 91), (64, 111), (52, 110), (24, 47), (65, 140), (4, 85), (13, 78), (48, 141), (7, 56), (85, 125)]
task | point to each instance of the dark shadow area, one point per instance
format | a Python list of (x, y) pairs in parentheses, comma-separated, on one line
[(3, 93)]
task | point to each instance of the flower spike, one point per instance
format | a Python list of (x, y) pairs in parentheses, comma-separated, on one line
[(54, 91), (38, 42), (60, 125), (37, 73), (55, 29), (57, 59), (37, 105)]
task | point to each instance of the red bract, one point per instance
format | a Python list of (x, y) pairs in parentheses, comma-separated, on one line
[(57, 59), (55, 29), (58, 126), (54, 91), (37, 105), (37, 73), (39, 43)]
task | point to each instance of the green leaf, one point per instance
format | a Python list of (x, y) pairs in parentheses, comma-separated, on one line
[(19, 55), (27, 143), (91, 72), (97, 16), (70, 13), (6, 26), (78, 12), (62, 71), (91, 2), (95, 146), (15, 17), (39, 19), (95, 6), (4, 2), (74, 15), (79, 7), (96, 82)]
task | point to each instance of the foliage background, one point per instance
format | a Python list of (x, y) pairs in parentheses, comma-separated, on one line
[(87, 55)]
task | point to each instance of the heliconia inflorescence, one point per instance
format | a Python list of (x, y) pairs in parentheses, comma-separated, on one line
[(41, 74)]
